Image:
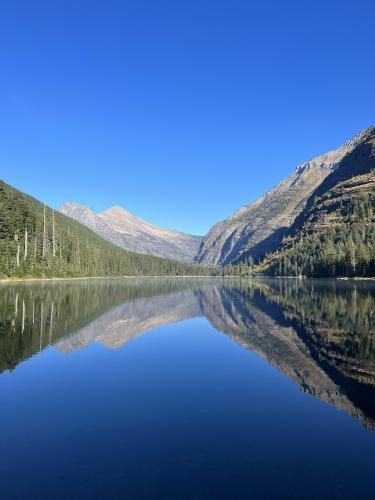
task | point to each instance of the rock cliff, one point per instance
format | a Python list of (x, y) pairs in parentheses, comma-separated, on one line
[(259, 227)]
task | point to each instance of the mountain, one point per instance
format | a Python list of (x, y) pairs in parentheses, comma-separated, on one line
[(259, 227), (335, 233), (37, 241), (124, 229)]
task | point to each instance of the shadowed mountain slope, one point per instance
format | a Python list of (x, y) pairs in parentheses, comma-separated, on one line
[(335, 234), (259, 227)]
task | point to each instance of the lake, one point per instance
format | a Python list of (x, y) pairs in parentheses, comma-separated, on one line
[(187, 389)]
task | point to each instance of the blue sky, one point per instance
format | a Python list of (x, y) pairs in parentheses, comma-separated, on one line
[(180, 111)]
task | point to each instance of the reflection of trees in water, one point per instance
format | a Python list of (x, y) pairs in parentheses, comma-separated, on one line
[(33, 316), (319, 334), (293, 325), (337, 318)]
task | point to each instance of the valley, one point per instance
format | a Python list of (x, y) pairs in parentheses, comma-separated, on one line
[(318, 222)]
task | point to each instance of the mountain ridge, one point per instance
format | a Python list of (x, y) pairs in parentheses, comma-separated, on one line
[(259, 227), (121, 227)]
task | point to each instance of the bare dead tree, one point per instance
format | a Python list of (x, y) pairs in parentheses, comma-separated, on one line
[(44, 230), (18, 249), (25, 253), (53, 234)]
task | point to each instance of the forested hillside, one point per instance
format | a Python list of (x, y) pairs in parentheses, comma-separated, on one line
[(337, 237), (36, 241), (335, 234)]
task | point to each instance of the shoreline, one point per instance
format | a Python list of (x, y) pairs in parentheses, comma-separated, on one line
[(81, 278)]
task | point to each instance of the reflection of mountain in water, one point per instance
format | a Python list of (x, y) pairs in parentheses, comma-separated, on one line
[(34, 316), (319, 334), (279, 344), (299, 348), (127, 321)]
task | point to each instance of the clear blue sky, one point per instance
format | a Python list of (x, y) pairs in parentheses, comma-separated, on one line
[(181, 111)]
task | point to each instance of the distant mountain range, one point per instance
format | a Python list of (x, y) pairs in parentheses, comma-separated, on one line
[(37, 241), (318, 222), (264, 231), (260, 227), (124, 229)]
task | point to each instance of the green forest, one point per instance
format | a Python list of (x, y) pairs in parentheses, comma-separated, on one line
[(37, 241), (347, 249)]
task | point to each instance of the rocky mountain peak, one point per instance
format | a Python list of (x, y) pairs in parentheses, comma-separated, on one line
[(121, 227), (117, 210), (333, 158), (77, 211), (70, 205), (363, 134)]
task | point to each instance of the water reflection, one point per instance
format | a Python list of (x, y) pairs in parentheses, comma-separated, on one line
[(320, 334)]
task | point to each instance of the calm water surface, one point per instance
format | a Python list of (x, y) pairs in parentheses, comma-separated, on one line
[(187, 389)]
